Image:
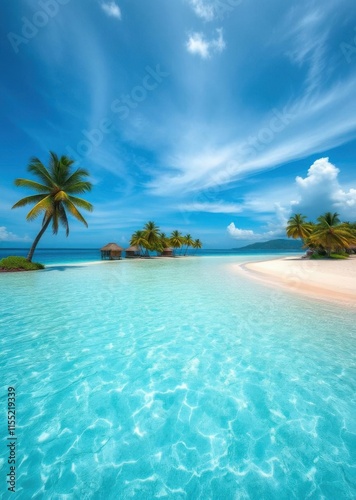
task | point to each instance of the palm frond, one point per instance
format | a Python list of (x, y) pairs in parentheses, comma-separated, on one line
[(31, 185), (73, 210), (29, 199), (78, 187), (81, 203), (37, 168), (45, 205), (60, 196), (76, 177), (63, 218)]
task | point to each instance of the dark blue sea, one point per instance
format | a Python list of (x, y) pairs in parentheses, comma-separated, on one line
[(80, 255)]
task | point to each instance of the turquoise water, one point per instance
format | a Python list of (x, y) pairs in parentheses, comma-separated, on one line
[(79, 255), (175, 378)]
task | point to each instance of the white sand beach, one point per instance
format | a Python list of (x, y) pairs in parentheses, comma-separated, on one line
[(333, 280)]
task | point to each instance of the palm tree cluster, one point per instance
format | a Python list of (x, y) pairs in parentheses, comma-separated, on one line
[(328, 235), (151, 239)]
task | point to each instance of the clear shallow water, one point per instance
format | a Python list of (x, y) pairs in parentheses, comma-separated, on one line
[(176, 378)]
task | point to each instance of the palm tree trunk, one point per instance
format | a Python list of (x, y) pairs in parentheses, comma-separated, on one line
[(37, 239)]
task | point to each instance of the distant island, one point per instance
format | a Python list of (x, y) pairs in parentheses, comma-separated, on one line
[(280, 244)]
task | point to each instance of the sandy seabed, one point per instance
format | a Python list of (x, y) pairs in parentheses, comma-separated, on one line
[(333, 280)]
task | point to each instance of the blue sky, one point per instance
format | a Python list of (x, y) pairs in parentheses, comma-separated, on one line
[(216, 117)]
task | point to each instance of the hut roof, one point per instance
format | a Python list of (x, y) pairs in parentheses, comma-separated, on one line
[(168, 249), (132, 249), (111, 246)]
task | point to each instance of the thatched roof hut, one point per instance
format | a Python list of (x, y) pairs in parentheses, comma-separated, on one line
[(132, 252), (111, 251), (167, 252)]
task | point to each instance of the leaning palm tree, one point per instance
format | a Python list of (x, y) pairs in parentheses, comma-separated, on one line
[(197, 244), (138, 240), (188, 241), (152, 236), (56, 186), (331, 235), (298, 227), (176, 239)]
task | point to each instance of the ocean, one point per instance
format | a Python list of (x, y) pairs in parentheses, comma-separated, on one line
[(173, 378), (81, 255)]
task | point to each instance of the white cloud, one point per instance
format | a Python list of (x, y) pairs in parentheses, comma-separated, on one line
[(198, 44), (203, 9), (309, 37), (111, 9), (275, 227), (213, 208), (210, 10), (321, 171), (320, 191), (298, 130), (241, 234), (6, 235)]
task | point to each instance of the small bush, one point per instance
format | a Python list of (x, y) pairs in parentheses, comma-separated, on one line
[(317, 256), (339, 256), (14, 263)]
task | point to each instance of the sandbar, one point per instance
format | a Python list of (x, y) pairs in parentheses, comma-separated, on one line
[(326, 279)]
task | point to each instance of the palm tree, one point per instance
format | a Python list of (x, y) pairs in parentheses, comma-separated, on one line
[(197, 244), (298, 227), (164, 240), (57, 185), (176, 239), (138, 240), (188, 240), (152, 236), (332, 219), (330, 234)]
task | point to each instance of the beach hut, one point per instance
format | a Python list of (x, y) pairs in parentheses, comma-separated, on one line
[(167, 252), (132, 252), (111, 251)]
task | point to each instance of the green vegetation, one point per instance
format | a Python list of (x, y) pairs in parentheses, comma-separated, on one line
[(150, 239), (329, 237), (56, 187), (188, 241), (13, 263), (339, 256), (197, 244), (298, 227)]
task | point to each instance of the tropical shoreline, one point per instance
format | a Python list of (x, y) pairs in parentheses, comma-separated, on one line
[(330, 280)]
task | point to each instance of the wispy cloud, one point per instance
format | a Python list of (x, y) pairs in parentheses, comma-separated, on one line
[(213, 208), (111, 9), (6, 235), (198, 44), (203, 9), (310, 125), (308, 40)]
